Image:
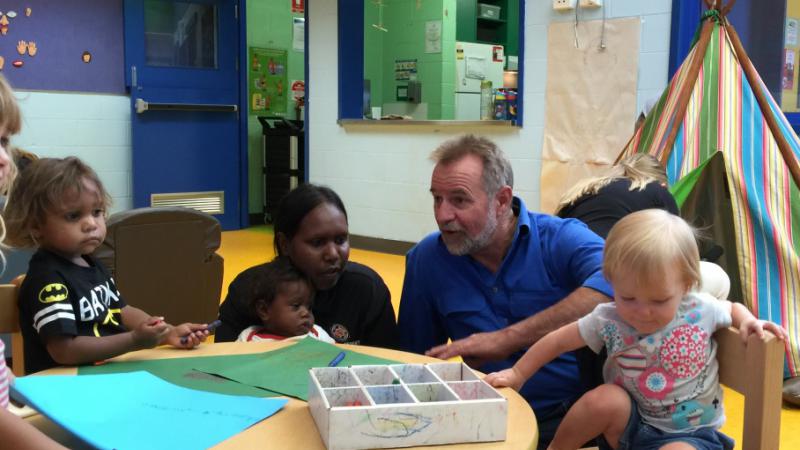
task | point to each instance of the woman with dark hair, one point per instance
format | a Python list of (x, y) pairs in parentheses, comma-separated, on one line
[(352, 302)]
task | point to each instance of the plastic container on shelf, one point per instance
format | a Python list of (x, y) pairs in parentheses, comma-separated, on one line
[(500, 106), (511, 105)]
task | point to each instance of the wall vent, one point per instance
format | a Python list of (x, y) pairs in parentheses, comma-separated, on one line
[(212, 202)]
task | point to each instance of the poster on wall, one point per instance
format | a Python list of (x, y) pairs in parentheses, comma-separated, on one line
[(405, 69), (267, 85), (788, 69)]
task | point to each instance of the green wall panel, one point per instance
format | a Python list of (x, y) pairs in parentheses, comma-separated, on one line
[(269, 25)]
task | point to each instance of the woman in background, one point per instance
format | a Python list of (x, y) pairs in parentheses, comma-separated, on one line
[(637, 182), (352, 303)]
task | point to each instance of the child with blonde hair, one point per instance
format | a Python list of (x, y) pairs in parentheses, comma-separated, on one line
[(662, 385), (14, 432), (71, 312)]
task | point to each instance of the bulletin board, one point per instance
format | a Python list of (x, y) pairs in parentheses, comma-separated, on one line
[(44, 47), (267, 86)]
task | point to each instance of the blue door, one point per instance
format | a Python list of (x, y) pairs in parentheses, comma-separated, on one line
[(182, 71)]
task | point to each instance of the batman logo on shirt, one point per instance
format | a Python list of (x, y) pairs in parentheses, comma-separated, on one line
[(53, 292)]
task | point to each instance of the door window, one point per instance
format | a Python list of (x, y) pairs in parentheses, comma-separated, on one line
[(180, 34)]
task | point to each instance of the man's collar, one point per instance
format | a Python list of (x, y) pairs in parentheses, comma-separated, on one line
[(521, 213)]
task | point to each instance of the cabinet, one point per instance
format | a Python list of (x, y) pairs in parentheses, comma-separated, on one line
[(504, 30)]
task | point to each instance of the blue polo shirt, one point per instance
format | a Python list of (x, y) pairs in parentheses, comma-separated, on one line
[(447, 296)]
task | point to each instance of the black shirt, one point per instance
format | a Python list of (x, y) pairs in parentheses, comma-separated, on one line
[(60, 298), (357, 310), (614, 201)]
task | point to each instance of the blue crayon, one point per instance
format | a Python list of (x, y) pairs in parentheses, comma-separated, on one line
[(335, 361), (210, 327)]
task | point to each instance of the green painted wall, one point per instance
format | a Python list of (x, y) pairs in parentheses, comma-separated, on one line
[(269, 25), (405, 39), (373, 49)]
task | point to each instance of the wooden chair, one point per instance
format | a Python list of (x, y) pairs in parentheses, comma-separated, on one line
[(754, 370), (9, 323)]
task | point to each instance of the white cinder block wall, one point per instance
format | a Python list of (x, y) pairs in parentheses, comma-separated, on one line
[(93, 127), (383, 175)]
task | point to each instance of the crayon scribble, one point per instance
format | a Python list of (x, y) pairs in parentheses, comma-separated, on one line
[(397, 425)]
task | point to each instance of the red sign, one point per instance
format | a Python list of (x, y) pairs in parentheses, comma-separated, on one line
[(298, 89), (298, 6)]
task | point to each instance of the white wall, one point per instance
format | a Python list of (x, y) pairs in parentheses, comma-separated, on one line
[(93, 127), (383, 175)]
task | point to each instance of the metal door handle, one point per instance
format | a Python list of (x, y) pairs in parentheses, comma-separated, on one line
[(142, 106)]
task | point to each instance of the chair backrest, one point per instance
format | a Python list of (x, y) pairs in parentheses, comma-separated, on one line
[(754, 370), (9, 323), (164, 261)]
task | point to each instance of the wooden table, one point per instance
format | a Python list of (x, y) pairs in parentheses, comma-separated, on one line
[(293, 427)]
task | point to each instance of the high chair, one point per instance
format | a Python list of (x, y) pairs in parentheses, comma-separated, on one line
[(754, 370), (164, 261)]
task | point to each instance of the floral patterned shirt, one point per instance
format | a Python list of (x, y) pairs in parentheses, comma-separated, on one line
[(672, 373)]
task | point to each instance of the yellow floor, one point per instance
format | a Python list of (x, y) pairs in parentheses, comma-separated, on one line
[(245, 248)]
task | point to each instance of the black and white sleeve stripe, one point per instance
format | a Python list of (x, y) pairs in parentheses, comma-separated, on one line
[(54, 312)]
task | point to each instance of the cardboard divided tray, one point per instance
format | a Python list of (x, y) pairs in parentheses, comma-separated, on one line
[(404, 405)]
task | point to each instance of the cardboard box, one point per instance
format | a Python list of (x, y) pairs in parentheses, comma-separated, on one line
[(404, 405)]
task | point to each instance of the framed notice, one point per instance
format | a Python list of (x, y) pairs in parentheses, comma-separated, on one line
[(267, 85)]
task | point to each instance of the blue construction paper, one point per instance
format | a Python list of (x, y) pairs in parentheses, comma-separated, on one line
[(140, 410)]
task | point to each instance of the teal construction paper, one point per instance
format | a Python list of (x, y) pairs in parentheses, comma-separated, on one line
[(139, 410)]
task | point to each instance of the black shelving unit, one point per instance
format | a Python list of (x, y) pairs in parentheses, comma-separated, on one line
[(283, 159)]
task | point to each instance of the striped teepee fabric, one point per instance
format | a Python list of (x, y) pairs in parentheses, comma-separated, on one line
[(723, 115)]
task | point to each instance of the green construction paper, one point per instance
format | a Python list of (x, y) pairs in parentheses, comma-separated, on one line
[(286, 370), (180, 371)]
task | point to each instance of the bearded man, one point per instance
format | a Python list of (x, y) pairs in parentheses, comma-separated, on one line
[(496, 277)]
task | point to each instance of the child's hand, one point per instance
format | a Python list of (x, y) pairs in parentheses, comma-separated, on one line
[(187, 335), (753, 325), (506, 378), (150, 332)]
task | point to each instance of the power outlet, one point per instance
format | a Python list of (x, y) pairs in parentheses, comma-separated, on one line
[(564, 5), (591, 3)]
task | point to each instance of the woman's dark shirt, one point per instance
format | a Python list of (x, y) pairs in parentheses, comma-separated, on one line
[(614, 201), (357, 310)]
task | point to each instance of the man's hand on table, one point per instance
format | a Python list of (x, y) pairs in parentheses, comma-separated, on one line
[(479, 348)]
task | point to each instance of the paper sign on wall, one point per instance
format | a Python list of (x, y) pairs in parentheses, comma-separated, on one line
[(299, 34), (433, 36), (788, 69), (791, 32), (298, 6), (405, 69), (476, 67)]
